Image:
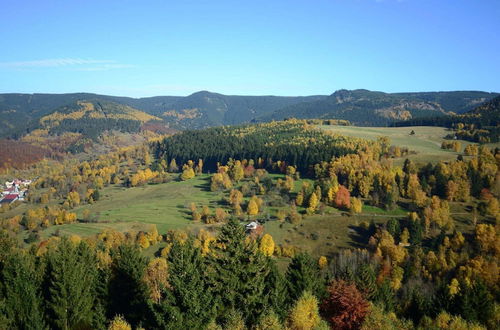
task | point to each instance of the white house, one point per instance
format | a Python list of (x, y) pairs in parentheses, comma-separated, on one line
[(252, 225)]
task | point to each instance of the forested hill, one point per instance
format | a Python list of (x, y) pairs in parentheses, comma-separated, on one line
[(89, 118), (301, 144), (199, 110), (369, 108), (481, 124), (205, 109)]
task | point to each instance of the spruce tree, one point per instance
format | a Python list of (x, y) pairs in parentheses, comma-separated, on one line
[(71, 279), (22, 292), (303, 274), (366, 281), (128, 291), (238, 272), (276, 290), (189, 293)]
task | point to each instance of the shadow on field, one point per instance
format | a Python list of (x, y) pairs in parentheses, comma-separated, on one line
[(205, 186), (359, 236)]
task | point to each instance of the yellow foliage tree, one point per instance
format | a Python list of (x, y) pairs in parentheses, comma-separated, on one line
[(155, 277), (119, 323), (356, 205), (313, 203), (187, 173), (322, 262), (304, 315), (267, 245), (253, 207)]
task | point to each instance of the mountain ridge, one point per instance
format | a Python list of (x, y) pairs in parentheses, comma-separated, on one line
[(19, 111)]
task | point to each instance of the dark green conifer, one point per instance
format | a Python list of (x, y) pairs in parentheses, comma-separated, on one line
[(71, 283), (238, 272), (128, 291), (303, 275), (22, 292)]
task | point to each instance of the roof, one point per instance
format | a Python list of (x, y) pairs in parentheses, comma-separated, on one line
[(11, 196)]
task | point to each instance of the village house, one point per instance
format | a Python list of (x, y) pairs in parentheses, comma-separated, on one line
[(14, 190)]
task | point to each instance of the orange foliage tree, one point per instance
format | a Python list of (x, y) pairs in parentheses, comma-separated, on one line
[(342, 198), (345, 307)]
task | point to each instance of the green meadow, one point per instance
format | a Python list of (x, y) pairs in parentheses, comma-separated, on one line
[(426, 141)]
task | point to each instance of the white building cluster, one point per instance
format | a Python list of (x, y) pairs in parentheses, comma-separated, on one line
[(15, 190)]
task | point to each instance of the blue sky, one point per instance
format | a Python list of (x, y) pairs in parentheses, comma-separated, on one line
[(146, 48)]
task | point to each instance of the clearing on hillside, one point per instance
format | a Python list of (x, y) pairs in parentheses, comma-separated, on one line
[(426, 141)]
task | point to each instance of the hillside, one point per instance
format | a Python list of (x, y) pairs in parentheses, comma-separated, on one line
[(369, 108), (21, 111), (18, 112), (480, 124), (205, 109)]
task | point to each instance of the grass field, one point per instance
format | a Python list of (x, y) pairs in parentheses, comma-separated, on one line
[(165, 205), (426, 142)]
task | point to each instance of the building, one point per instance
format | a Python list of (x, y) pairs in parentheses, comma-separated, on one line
[(10, 198), (252, 225)]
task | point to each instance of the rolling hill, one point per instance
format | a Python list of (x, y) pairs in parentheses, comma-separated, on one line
[(369, 108), (20, 113)]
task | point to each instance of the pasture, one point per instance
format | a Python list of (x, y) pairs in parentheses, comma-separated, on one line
[(426, 141)]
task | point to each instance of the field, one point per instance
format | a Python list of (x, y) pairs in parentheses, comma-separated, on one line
[(166, 206), (426, 141)]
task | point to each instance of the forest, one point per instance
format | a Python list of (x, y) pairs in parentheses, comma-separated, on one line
[(431, 267)]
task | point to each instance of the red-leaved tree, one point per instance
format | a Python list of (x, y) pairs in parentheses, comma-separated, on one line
[(342, 198), (345, 308)]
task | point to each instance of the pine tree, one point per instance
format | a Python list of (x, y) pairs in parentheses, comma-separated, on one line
[(23, 300), (303, 275), (128, 291), (239, 271), (366, 281), (276, 289), (189, 291), (71, 277)]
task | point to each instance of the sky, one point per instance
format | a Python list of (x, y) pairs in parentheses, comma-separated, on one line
[(271, 47)]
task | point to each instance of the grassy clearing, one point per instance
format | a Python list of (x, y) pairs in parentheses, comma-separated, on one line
[(426, 141), (165, 205), (320, 234)]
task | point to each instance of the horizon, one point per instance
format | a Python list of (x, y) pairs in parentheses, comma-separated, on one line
[(283, 48), (252, 95)]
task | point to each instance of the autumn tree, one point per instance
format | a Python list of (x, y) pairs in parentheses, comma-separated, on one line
[(187, 173), (266, 245), (252, 207), (313, 203), (304, 314), (414, 191), (344, 307), (342, 198), (356, 205), (172, 167), (119, 323), (156, 278)]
